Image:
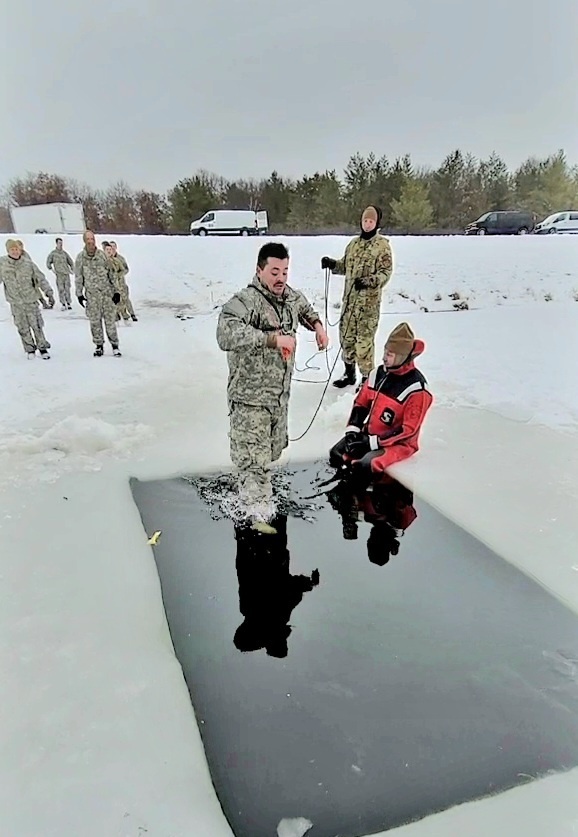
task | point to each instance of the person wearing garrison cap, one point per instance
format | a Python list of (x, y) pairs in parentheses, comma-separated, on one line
[(367, 266), (23, 281), (388, 412)]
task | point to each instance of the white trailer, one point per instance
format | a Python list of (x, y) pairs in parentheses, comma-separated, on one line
[(55, 218), (231, 222)]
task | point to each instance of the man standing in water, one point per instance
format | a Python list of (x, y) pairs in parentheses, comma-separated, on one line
[(257, 328)]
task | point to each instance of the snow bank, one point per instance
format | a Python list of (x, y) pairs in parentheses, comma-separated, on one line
[(98, 733)]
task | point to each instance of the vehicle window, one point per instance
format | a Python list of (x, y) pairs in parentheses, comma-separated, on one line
[(492, 217), (210, 216), (483, 217), (574, 216), (559, 217)]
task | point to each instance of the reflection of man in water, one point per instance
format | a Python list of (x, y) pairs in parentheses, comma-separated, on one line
[(387, 505), (268, 593)]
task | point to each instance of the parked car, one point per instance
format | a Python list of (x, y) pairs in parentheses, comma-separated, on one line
[(231, 222), (559, 222), (510, 222)]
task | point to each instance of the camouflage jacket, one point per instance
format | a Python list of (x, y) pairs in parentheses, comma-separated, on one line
[(248, 323), (370, 262), (95, 275), (120, 265), (60, 261), (22, 280)]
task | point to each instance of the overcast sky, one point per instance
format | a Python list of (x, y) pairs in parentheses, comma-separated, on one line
[(151, 90)]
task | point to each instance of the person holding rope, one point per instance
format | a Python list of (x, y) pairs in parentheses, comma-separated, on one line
[(367, 266), (257, 328), (388, 413)]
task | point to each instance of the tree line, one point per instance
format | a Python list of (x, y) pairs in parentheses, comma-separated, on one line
[(413, 199)]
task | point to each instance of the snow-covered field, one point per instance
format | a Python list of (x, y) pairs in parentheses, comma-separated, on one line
[(97, 734)]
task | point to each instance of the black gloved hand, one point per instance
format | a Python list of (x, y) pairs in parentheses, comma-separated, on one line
[(327, 262), (116, 298), (358, 447), (360, 285), (82, 300)]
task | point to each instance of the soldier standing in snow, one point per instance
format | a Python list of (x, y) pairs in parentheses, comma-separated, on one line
[(97, 290), (22, 281), (367, 265), (257, 329), (121, 266), (48, 292), (61, 263)]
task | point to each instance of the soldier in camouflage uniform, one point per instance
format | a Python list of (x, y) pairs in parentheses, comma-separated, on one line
[(22, 280), (60, 262), (48, 292), (257, 329), (125, 308), (96, 289), (367, 265)]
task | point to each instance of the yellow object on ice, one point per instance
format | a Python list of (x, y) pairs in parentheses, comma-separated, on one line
[(154, 539), (264, 528)]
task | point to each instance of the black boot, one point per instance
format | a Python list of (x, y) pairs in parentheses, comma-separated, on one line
[(348, 378)]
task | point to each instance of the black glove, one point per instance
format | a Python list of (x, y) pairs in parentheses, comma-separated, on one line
[(358, 447), (327, 262), (82, 300), (360, 285), (116, 298)]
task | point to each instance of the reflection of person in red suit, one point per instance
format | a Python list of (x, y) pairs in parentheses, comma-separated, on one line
[(387, 505), (389, 410)]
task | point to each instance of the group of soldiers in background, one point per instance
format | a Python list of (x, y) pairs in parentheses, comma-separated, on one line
[(100, 287)]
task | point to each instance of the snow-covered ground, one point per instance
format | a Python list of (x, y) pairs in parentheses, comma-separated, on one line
[(98, 735)]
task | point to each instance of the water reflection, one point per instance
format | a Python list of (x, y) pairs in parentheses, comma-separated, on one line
[(386, 505), (268, 593)]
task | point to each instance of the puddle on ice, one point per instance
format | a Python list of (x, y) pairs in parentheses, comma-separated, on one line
[(370, 664)]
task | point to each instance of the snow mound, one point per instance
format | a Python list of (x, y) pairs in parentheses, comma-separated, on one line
[(74, 442)]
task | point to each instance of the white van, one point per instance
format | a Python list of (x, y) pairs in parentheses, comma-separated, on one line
[(559, 222), (231, 222)]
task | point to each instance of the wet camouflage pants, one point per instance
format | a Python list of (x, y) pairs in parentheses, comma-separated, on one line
[(100, 308), (63, 287), (357, 329), (125, 308), (258, 437), (30, 325)]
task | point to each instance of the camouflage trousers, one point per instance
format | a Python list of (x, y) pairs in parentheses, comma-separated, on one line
[(125, 308), (63, 288), (258, 436), (357, 329), (30, 325), (100, 308)]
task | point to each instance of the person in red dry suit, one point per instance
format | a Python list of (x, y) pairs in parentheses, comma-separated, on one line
[(388, 412)]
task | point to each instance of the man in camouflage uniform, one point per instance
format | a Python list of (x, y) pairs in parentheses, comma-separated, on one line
[(125, 308), (96, 289), (367, 265), (60, 262), (257, 329), (48, 292), (22, 280)]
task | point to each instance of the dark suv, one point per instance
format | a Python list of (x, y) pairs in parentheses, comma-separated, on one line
[(511, 222)]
